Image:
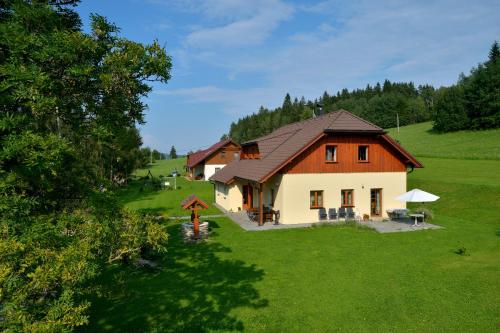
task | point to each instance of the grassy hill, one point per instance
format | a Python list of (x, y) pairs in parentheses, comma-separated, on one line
[(164, 167), (420, 140), (332, 279), (166, 202)]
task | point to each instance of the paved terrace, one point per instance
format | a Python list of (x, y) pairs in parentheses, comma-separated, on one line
[(243, 221)]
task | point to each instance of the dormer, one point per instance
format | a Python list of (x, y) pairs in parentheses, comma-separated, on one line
[(250, 151)]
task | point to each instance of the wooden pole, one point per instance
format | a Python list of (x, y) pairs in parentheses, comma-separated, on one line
[(261, 205), (196, 223)]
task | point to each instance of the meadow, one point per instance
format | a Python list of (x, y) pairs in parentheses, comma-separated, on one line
[(329, 279), (167, 201), (422, 141)]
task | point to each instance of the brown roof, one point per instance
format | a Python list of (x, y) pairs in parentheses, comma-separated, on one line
[(287, 142), (201, 155), (193, 199)]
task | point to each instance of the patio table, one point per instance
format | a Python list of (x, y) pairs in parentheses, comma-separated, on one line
[(416, 216)]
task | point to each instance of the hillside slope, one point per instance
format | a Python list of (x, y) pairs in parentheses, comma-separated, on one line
[(421, 141)]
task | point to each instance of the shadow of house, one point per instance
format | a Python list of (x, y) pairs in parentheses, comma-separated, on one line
[(195, 292)]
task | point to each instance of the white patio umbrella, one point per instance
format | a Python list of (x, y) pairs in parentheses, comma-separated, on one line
[(417, 195)]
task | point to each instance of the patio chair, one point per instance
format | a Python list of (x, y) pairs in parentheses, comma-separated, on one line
[(322, 214), (350, 213), (253, 215), (332, 214), (276, 217), (342, 213)]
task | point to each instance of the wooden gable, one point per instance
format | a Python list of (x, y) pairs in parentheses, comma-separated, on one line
[(225, 154), (382, 157), (250, 152)]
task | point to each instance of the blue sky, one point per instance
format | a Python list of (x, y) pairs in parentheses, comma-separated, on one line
[(232, 56)]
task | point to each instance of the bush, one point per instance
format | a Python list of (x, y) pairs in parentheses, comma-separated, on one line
[(462, 251), (428, 214)]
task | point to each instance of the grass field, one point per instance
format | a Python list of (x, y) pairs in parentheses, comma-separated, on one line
[(422, 141), (166, 202), (325, 279)]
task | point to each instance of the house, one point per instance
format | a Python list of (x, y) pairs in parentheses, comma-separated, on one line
[(335, 160), (204, 163)]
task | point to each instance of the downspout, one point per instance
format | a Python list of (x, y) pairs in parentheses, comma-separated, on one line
[(412, 168)]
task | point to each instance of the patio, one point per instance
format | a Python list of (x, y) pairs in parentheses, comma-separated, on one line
[(389, 226)]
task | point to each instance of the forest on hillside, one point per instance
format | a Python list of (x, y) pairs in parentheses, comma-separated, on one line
[(474, 102)]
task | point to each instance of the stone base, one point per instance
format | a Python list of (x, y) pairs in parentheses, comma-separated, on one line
[(187, 232)]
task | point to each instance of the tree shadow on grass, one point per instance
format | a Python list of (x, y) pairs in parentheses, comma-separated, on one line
[(152, 211), (194, 292)]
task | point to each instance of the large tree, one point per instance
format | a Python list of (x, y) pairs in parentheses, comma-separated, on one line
[(474, 103), (482, 92), (69, 104), (173, 152)]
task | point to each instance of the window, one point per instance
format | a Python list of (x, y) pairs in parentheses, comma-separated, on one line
[(217, 169), (272, 197), (223, 154), (331, 154), (362, 153), (316, 199), (236, 155), (347, 197)]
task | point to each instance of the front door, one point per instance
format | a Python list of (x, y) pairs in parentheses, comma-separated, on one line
[(247, 197), (376, 202)]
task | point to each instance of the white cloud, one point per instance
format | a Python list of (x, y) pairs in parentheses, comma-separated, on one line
[(252, 22), (353, 44), (234, 102)]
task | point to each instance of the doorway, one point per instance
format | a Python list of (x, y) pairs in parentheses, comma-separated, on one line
[(376, 202), (247, 197)]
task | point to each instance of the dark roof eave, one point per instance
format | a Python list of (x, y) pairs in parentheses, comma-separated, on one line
[(374, 131), (249, 143)]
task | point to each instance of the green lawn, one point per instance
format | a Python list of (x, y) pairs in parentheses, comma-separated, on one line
[(422, 141), (166, 202), (324, 279)]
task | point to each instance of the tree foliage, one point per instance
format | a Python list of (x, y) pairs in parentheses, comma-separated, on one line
[(69, 105), (173, 152), (474, 102), (380, 104)]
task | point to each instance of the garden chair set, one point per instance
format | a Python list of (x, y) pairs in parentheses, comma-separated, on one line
[(270, 215), (346, 213)]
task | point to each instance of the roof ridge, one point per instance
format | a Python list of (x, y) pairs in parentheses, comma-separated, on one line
[(359, 118), (268, 137), (291, 135), (329, 114), (338, 113)]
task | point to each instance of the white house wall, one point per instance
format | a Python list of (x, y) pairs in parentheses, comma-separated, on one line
[(228, 197), (295, 191), (210, 169)]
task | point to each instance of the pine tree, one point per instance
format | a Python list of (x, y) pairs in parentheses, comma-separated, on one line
[(173, 153), (494, 52)]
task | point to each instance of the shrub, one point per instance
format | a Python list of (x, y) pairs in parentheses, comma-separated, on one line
[(428, 214), (462, 251)]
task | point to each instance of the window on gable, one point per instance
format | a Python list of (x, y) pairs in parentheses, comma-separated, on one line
[(316, 199), (362, 153), (217, 169), (331, 153), (347, 198), (223, 154)]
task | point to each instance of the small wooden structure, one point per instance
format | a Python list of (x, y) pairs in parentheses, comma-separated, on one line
[(194, 204)]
